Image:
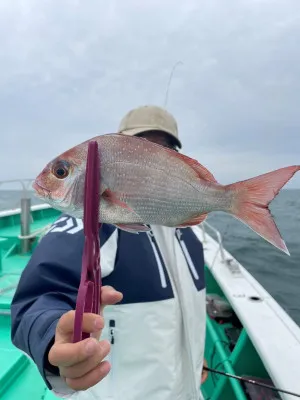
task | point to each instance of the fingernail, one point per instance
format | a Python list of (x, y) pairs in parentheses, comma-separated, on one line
[(98, 323), (90, 347)]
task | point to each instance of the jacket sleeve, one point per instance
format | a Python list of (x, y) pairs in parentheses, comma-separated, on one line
[(48, 287)]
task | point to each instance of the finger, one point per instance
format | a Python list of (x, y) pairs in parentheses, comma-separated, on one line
[(90, 379), (110, 296), (68, 354), (204, 376), (84, 367), (90, 323)]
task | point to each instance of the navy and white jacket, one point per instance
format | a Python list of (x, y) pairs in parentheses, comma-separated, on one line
[(157, 331)]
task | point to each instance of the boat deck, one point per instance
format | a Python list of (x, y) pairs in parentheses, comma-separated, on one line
[(231, 343), (19, 377)]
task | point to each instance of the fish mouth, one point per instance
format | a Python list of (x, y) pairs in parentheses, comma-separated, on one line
[(41, 191)]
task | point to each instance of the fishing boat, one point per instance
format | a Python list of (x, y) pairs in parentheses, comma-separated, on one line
[(251, 343)]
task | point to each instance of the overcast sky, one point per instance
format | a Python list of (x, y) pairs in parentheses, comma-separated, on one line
[(70, 70)]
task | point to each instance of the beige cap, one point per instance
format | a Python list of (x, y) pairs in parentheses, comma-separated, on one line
[(148, 118)]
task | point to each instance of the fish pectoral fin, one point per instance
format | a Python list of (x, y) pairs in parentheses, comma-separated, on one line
[(112, 197), (118, 211), (193, 221), (133, 228)]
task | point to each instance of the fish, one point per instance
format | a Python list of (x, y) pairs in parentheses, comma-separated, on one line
[(143, 183)]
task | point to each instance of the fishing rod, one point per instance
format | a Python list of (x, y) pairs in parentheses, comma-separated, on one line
[(250, 381)]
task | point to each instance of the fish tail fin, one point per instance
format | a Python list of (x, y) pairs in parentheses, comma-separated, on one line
[(251, 199)]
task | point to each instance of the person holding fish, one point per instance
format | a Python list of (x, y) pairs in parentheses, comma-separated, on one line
[(149, 339)]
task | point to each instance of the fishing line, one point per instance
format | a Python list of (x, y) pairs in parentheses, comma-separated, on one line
[(170, 79), (253, 382)]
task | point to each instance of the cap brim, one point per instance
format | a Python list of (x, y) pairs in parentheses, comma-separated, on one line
[(136, 131)]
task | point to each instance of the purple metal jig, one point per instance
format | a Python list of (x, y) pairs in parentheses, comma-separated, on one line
[(88, 299)]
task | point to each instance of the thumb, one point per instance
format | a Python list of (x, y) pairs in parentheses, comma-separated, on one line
[(109, 296), (91, 323)]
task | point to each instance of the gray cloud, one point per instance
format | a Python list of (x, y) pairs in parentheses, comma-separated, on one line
[(70, 70)]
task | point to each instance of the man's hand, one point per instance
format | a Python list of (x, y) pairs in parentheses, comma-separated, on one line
[(80, 364)]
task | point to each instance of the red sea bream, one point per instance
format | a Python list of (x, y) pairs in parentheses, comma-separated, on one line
[(145, 183)]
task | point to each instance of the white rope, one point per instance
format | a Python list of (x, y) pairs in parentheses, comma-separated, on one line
[(35, 233)]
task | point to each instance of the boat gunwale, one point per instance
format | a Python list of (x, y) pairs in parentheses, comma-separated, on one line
[(286, 344), (15, 211)]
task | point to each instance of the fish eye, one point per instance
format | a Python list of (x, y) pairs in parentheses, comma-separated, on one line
[(60, 169)]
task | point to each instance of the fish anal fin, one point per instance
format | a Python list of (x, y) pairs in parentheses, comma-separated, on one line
[(193, 221), (133, 228)]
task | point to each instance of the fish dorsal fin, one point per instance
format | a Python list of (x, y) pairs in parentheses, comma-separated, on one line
[(201, 171)]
